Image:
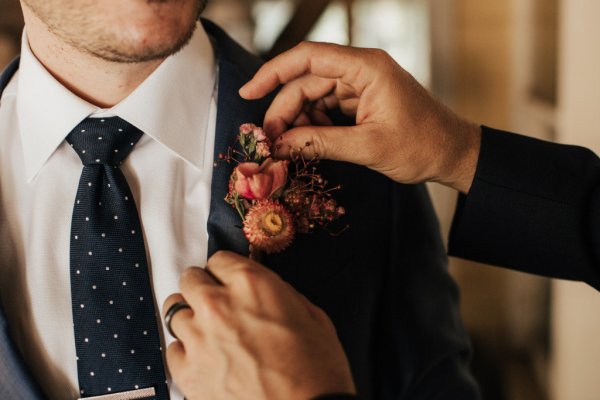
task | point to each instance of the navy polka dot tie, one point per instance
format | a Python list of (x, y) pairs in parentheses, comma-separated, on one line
[(115, 320)]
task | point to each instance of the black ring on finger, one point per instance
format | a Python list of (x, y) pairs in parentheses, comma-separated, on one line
[(175, 307)]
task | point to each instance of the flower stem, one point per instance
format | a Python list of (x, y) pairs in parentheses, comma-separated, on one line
[(239, 208), (254, 254)]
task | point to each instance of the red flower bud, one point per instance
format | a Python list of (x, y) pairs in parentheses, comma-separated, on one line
[(259, 182)]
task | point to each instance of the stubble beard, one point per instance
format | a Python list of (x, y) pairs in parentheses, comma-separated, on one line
[(96, 40), (107, 51)]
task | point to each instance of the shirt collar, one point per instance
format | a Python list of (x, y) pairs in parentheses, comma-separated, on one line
[(171, 105)]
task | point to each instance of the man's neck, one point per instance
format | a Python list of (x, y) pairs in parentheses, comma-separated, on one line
[(102, 83)]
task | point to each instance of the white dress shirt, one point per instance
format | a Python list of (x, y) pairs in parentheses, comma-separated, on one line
[(169, 172)]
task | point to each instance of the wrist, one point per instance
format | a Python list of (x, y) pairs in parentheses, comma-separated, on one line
[(462, 146)]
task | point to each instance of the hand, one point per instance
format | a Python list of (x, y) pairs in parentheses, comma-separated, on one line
[(251, 337), (400, 131)]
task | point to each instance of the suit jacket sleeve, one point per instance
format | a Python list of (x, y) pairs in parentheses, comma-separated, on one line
[(534, 206)]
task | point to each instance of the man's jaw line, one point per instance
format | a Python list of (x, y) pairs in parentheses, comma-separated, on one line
[(100, 80)]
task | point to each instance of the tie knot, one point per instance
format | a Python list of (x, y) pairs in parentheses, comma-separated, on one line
[(103, 140)]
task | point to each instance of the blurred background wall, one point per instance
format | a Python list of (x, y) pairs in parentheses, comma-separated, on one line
[(523, 65)]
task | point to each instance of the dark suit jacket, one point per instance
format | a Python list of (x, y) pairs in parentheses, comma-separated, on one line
[(534, 206), (384, 282)]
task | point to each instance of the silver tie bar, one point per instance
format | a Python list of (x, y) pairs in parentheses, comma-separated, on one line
[(129, 395)]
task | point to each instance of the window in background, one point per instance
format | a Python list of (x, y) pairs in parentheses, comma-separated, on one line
[(545, 50), (333, 25), (400, 27), (234, 16), (270, 17)]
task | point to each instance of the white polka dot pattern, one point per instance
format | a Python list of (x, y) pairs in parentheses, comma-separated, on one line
[(116, 334)]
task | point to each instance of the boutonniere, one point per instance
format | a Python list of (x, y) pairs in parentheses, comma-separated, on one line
[(276, 199)]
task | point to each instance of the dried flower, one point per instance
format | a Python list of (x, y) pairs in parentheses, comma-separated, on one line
[(263, 150), (269, 227), (272, 204), (259, 134), (246, 129), (256, 146)]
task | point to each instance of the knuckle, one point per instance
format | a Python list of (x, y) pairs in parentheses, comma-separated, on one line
[(375, 54), (219, 254), (320, 146), (311, 47), (379, 53), (209, 301), (209, 296), (241, 263), (248, 277), (304, 45), (378, 58)]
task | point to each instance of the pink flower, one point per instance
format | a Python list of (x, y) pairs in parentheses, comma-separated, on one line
[(269, 227), (246, 129), (259, 134), (259, 182), (262, 150)]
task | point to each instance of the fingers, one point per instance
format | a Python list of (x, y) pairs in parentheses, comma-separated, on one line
[(290, 101), (195, 276), (203, 293), (198, 286), (226, 266), (328, 142), (321, 59), (181, 321), (176, 357)]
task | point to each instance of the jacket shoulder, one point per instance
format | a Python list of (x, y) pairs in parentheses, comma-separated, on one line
[(8, 73), (229, 51)]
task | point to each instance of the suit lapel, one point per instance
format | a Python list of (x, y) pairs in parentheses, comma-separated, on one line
[(15, 380), (224, 225), (236, 67)]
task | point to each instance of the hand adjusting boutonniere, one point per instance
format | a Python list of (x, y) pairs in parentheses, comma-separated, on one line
[(276, 198)]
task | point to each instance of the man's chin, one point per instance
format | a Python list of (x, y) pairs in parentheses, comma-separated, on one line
[(150, 32), (142, 51)]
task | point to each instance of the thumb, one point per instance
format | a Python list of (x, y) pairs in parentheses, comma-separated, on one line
[(340, 143)]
